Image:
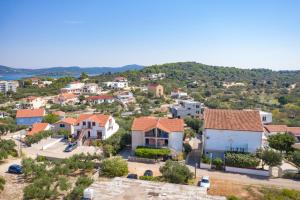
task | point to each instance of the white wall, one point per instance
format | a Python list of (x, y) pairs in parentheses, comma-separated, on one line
[(218, 140), (137, 139), (247, 171), (176, 140)]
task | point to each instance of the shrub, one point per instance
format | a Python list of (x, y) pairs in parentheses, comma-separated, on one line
[(152, 153), (218, 162), (291, 175), (38, 137), (271, 157), (7, 147), (232, 197), (51, 118), (205, 159), (77, 192), (2, 183), (187, 148), (296, 158), (241, 160), (149, 178), (281, 142), (175, 172), (112, 167)]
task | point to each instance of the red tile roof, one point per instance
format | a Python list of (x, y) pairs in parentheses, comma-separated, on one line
[(71, 121), (59, 113), (238, 120), (276, 128), (67, 96), (38, 127), (294, 130), (27, 113), (100, 97), (99, 118), (148, 123)]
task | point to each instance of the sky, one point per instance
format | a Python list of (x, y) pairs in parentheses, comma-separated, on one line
[(239, 33)]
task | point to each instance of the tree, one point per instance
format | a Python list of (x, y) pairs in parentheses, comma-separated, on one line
[(83, 76), (281, 142), (51, 118), (7, 147), (175, 172), (271, 157), (113, 167), (296, 158), (77, 192), (189, 133), (282, 100), (193, 123)]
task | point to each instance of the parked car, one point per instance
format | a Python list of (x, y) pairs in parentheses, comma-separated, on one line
[(132, 176), (205, 182), (71, 147), (148, 173), (15, 169)]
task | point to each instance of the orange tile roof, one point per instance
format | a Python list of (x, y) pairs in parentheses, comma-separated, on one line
[(99, 118), (148, 123), (67, 96), (100, 97), (27, 113), (69, 120), (276, 128), (29, 98), (153, 85), (294, 130), (38, 127), (238, 120), (59, 113)]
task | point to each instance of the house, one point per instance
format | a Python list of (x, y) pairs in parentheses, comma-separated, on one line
[(34, 81), (73, 87), (186, 108), (66, 98), (94, 126), (295, 131), (31, 102), (266, 117), (125, 97), (45, 83), (156, 89), (30, 116), (117, 83), (91, 88), (59, 113), (231, 130), (100, 99), (157, 132), (157, 76), (271, 129), (38, 127), (3, 114), (65, 124), (6, 86), (178, 94), (193, 84)]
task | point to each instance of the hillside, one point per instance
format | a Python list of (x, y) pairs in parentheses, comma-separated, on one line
[(64, 71)]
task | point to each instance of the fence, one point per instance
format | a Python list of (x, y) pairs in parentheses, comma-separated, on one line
[(142, 160), (257, 172)]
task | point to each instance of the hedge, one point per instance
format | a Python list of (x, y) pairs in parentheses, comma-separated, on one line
[(38, 137), (241, 160), (148, 152)]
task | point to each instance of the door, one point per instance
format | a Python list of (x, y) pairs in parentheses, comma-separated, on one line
[(89, 134), (99, 135), (89, 124)]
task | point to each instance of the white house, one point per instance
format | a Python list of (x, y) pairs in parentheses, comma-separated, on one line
[(100, 99), (156, 76), (73, 87), (231, 130), (178, 94), (94, 126), (117, 83), (266, 117), (125, 97), (31, 102), (66, 99), (157, 132), (6, 86), (186, 108), (91, 88)]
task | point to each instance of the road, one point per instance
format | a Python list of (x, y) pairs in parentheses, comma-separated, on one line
[(139, 168)]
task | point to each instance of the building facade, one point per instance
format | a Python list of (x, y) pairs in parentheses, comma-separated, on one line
[(186, 108), (156, 89), (30, 116), (6, 86)]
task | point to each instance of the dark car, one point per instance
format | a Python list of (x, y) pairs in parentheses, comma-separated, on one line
[(71, 147), (132, 176), (15, 169), (148, 173)]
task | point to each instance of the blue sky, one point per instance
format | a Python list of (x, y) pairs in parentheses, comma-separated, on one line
[(240, 33)]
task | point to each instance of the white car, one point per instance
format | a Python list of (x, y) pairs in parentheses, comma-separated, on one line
[(205, 182)]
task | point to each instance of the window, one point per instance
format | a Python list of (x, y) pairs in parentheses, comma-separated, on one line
[(62, 125), (94, 124), (264, 118), (197, 106), (84, 123)]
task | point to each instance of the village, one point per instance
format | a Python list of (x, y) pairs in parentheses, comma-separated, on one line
[(146, 127)]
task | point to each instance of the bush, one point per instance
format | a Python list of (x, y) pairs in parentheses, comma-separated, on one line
[(152, 153), (271, 157), (113, 167), (232, 197), (205, 159), (51, 118), (7, 147), (281, 142), (218, 162), (187, 148), (241, 160), (149, 178), (29, 140), (2, 183), (291, 175), (175, 172), (77, 192)]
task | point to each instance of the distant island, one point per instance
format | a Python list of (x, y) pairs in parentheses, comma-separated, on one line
[(10, 73)]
